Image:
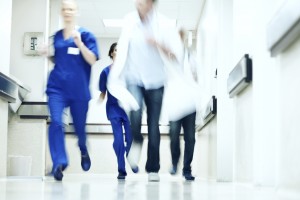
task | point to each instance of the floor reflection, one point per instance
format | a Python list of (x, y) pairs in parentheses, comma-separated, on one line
[(152, 190), (135, 187), (121, 190)]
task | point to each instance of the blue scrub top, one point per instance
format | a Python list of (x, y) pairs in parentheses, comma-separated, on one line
[(113, 110), (71, 74)]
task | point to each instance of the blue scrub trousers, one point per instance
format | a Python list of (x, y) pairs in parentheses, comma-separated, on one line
[(118, 144), (57, 103)]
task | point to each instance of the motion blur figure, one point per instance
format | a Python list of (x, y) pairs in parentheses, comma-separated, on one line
[(187, 118), (117, 116), (75, 51), (146, 44)]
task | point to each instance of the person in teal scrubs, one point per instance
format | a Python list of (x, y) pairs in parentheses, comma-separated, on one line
[(68, 86)]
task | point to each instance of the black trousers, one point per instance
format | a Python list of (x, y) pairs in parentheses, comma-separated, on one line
[(153, 101), (188, 125)]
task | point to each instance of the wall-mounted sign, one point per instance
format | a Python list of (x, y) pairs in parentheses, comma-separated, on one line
[(32, 40)]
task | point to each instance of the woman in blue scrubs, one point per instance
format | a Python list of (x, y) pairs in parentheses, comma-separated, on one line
[(68, 86), (117, 117)]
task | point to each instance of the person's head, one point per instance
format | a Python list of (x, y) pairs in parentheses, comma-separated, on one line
[(113, 51), (182, 34), (144, 6), (68, 10)]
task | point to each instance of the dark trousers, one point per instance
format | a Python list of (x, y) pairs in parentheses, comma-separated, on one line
[(118, 144), (188, 124), (57, 103), (153, 101)]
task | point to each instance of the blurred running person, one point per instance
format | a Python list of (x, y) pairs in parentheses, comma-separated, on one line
[(75, 51), (117, 116), (146, 43)]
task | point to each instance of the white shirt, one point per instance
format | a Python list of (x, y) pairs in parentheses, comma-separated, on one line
[(144, 66), (164, 34)]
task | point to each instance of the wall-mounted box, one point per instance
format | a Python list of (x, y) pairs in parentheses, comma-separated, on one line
[(39, 110), (240, 77), (208, 112), (34, 110), (211, 109), (32, 41), (8, 88), (23, 90), (284, 28)]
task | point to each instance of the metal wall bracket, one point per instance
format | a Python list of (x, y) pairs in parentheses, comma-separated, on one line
[(34, 110), (284, 28), (8, 88), (240, 77), (209, 112)]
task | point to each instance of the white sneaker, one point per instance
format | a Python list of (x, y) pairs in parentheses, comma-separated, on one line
[(153, 177), (134, 155)]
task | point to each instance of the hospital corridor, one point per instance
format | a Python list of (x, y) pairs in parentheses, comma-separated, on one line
[(149, 99)]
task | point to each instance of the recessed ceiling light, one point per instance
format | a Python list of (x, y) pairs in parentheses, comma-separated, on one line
[(118, 23), (115, 23)]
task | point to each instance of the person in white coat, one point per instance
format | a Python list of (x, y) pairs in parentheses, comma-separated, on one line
[(146, 43)]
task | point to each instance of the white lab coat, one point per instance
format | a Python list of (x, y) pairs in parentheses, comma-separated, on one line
[(163, 34)]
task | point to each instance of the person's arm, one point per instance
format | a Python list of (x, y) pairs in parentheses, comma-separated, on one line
[(102, 96), (43, 50), (166, 51), (87, 54), (102, 86)]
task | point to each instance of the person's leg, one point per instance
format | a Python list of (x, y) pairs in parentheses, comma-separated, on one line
[(153, 101), (136, 121), (174, 132), (128, 134), (56, 136), (136, 116), (188, 124), (78, 111), (118, 143)]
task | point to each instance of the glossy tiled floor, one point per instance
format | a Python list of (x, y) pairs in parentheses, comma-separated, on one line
[(107, 187)]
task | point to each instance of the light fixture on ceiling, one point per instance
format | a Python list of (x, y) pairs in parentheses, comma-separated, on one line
[(118, 23), (113, 23)]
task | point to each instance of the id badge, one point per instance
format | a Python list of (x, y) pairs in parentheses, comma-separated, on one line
[(73, 51)]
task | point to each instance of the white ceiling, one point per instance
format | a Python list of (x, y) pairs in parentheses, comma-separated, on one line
[(91, 13)]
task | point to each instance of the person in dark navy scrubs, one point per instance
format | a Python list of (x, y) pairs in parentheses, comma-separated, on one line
[(117, 116), (186, 120), (75, 51)]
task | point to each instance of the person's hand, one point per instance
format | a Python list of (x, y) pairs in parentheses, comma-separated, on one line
[(43, 50), (152, 41), (77, 38), (161, 47), (101, 97)]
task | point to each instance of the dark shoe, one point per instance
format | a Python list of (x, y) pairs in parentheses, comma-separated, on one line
[(122, 175), (189, 177), (85, 161), (57, 173), (134, 155), (135, 169), (173, 170)]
